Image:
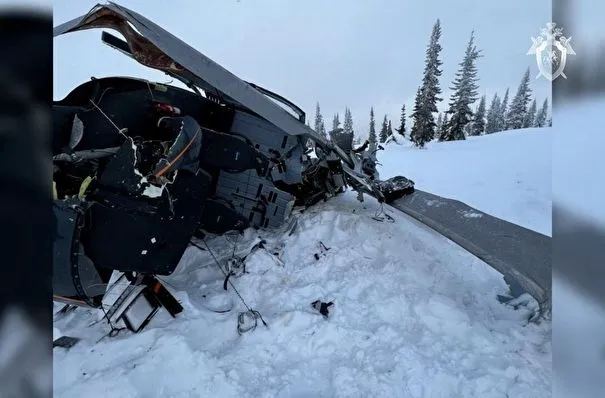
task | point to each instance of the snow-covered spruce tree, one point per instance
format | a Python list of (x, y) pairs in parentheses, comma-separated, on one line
[(503, 112), (439, 124), (390, 135), (348, 123), (402, 129), (382, 137), (318, 118), (417, 134), (335, 122), (530, 115), (478, 124), (541, 116), (372, 135), (427, 97), (464, 94), (518, 106), (443, 128), (466, 130), (319, 122), (491, 125)]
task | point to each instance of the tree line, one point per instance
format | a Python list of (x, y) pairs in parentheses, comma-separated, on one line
[(460, 120)]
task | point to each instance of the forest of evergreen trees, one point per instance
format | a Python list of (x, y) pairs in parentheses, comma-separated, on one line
[(462, 118)]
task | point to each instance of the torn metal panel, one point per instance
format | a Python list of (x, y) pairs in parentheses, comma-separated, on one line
[(156, 48)]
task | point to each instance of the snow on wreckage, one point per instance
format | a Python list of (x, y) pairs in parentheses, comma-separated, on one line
[(144, 170)]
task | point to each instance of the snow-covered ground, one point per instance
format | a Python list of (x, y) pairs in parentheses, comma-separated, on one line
[(414, 314), (507, 174)]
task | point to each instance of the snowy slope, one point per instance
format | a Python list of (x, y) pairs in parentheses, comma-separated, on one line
[(506, 174), (414, 314)]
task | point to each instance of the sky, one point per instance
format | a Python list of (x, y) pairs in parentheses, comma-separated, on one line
[(355, 54)]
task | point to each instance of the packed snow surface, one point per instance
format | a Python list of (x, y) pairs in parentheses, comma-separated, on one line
[(414, 315)]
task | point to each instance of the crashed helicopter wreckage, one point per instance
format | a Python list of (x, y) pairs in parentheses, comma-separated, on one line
[(141, 168)]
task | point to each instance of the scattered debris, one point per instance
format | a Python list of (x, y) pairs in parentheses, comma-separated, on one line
[(137, 175), (140, 311), (322, 250), (219, 302), (248, 320), (66, 309), (381, 215), (322, 307), (526, 303), (65, 342)]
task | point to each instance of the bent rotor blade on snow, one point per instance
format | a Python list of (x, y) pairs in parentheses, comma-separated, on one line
[(521, 255)]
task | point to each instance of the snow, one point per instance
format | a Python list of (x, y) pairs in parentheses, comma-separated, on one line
[(507, 174), (152, 191), (414, 315)]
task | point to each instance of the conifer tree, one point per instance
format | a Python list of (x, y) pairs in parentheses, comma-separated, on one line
[(503, 112), (319, 122), (402, 129), (443, 130), (390, 134), (518, 106), (335, 122), (465, 94), (491, 125), (372, 135), (479, 122), (416, 132), (348, 123), (439, 124), (427, 96), (530, 115), (382, 137), (541, 116)]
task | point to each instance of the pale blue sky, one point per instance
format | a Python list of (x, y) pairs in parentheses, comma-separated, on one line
[(340, 53)]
